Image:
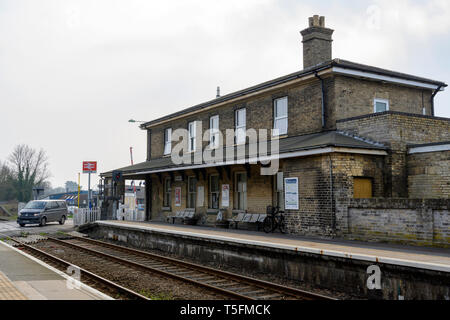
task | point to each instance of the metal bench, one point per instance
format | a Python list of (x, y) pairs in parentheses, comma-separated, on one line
[(255, 218), (237, 219), (178, 215), (248, 218), (189, 216), (261, 220)]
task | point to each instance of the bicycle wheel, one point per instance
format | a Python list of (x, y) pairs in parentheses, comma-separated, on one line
[(268, 224), (282, 225)]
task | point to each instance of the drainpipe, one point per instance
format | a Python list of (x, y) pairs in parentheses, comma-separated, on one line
[(323, 98), (333, 215), (432, 99)]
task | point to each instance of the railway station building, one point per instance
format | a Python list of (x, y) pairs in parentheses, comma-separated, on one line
[(358, 152)]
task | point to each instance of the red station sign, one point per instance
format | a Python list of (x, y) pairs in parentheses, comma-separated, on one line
[(89, 166)]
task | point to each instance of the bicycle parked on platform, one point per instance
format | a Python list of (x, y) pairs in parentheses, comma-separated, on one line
[(275, 219)]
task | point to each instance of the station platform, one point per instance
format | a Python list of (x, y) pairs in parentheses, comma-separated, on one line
[(417, 257), (23, 277)]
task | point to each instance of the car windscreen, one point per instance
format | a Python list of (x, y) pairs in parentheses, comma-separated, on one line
[(35, 205)]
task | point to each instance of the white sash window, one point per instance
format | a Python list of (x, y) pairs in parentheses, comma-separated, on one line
[(192, 136), (167, 141), (214, 132), (280, 116), (240, 124)]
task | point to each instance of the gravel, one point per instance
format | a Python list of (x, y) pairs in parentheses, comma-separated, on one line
[(254, 274), (146, 283)]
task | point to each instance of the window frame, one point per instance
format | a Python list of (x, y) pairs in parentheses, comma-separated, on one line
[(386, 101), (167, 142), (188, 204), (192, 143), (214, 132), (275, 118), (167, 192), (51, 205), (210, 192), (236, 191), (237, 126)]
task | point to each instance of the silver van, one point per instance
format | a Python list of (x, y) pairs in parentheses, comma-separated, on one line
[(43, 211)]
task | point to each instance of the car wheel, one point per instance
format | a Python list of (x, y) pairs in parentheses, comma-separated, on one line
[(63, 220), (21, 225), (43, 222)]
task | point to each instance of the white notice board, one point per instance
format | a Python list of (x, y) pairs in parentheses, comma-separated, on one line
[(225, 195), (291, 193), (200, 196)]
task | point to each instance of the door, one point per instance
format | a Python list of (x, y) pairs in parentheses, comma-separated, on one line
[(362, 188), (52, 211), (62, 210)]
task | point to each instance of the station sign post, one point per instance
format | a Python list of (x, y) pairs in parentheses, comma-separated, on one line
[(89, 167)]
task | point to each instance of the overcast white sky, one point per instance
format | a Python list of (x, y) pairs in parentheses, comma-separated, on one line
[(73, 72)]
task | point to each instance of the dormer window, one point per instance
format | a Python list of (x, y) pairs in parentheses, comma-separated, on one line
[(380, 105)]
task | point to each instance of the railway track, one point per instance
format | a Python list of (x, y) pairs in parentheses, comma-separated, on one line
[(93, 280), (225, 283)]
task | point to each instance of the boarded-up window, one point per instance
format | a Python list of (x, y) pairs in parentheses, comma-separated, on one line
[(362, 188)]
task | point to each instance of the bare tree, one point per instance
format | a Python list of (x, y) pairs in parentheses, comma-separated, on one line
[(7, 191), (71, 186), (30, 168)]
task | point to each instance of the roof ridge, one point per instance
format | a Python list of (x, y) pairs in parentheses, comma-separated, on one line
[(375, 69), (363, 139)]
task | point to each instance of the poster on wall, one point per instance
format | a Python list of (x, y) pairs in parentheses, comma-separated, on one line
[(225, 195), (291, 193), (178, 197)]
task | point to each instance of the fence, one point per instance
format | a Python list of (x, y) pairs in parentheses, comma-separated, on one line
[(124, 213), (85, 215)]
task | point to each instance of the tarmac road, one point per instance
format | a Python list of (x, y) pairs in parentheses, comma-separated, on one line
[(11, 228)]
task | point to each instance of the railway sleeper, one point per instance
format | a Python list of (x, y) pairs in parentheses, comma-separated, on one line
[(271, 296), (254, 292)]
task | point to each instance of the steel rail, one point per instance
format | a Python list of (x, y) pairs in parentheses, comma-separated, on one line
[(151, 269), (268, 286), (83, 273)]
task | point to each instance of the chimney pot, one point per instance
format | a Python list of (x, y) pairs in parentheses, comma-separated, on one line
[(218, 92), (316, 42), (316, 20), (322, 21)]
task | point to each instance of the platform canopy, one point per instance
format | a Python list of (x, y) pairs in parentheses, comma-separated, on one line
[(291, 147)]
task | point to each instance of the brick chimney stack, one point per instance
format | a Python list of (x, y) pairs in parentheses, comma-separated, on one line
[(316, 42)]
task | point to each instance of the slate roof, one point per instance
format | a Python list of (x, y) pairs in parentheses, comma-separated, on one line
[(286, 145), (326, 65)]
